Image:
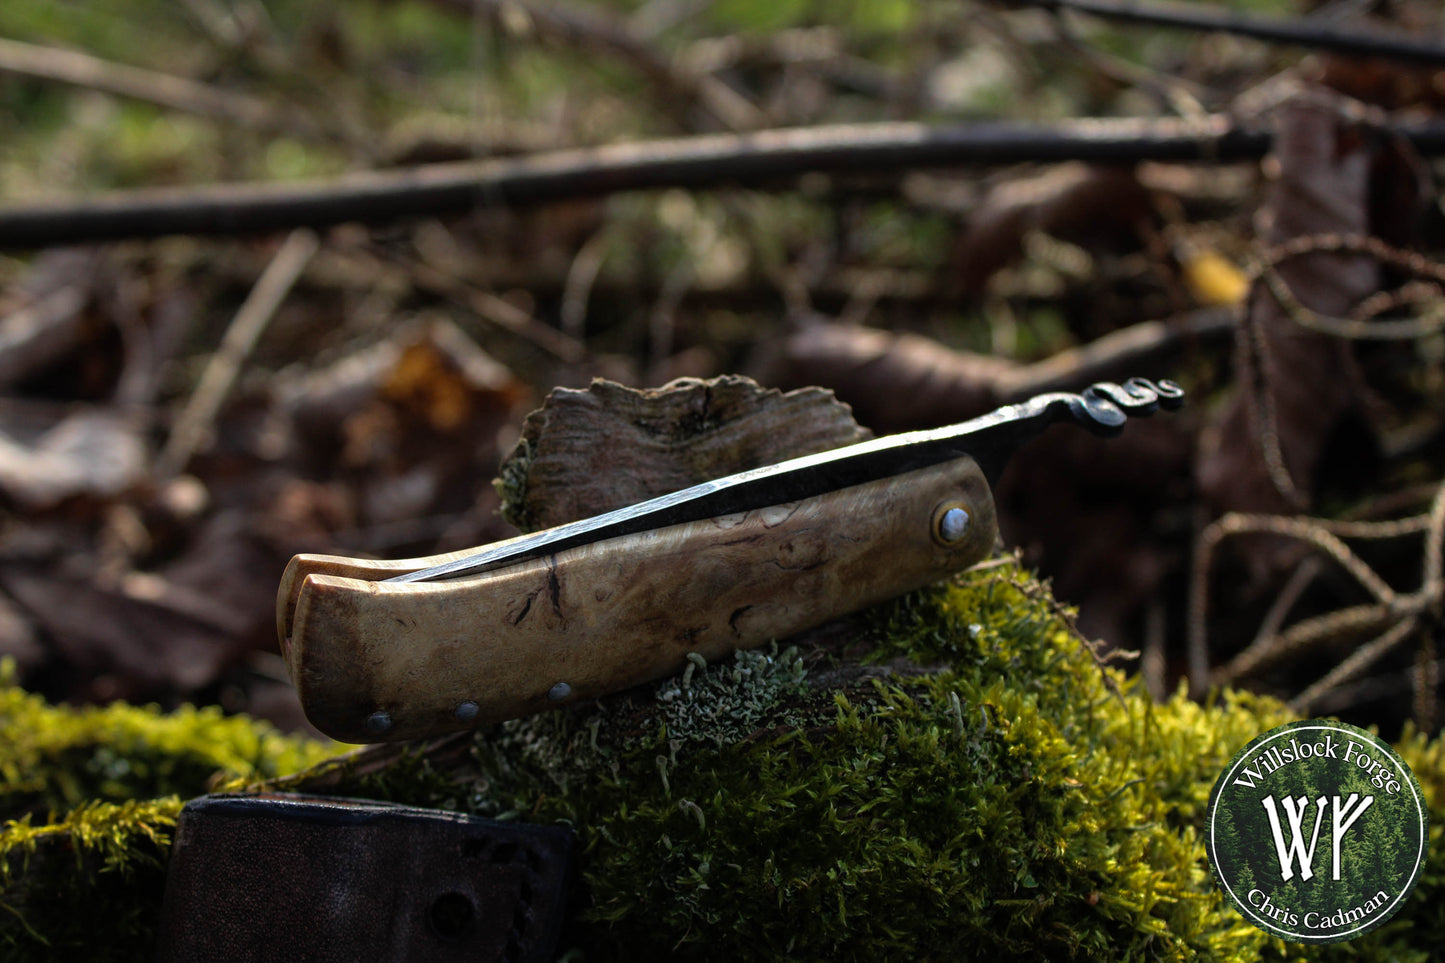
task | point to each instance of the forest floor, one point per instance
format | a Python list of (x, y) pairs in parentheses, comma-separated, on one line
[(287, 277)]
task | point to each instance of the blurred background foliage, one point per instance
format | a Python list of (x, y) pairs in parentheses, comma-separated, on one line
[(1014, 263)]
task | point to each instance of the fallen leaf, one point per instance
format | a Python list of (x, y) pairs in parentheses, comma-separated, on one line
[(894, 381), (174, 631), (97, 453), (411, 425), (1090, 206), (1310, 382)]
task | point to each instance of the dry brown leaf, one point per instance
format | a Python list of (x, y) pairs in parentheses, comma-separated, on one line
[(893, 381), (156, 634), (1310, 385), (411, 424), (131, 640), (96, 453), (1074, 202)]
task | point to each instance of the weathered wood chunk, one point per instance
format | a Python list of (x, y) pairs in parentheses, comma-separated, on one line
[(587, 452)]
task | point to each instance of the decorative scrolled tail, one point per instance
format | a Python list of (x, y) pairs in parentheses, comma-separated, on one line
[(1105, 407)]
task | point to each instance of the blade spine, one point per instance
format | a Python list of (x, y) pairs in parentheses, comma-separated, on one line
[(648, 513)]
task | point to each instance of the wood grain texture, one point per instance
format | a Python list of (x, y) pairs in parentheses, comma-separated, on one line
[(616, 613), (658, 441)]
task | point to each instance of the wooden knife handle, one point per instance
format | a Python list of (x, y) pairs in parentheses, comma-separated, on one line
[(380, 661)]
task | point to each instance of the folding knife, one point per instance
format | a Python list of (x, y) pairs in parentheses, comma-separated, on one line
[(389, 650)]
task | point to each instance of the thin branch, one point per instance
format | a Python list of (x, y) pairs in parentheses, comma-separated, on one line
[(149, 86), (1172, 92), (758, 159), (1304, 575), (1358, 661), (1382, 686), (220, 374), (1360, 328), (1357, 621), (1390, 620), (1353, 40), (1237, 523), (497, 310), (764, 159)]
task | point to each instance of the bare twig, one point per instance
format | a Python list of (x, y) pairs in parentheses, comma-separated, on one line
[(1303, 577), (1358, 661), (1174, 92), (1344, 40), (1354, 622), (1237, 523), (1256, 357), (1368, 690), (770, 158), (818, 49), (586, 265), (1256, 353), (760, 159), (165, 90), (1387, 622), (498, 311), (220, 374), (1358, 329)]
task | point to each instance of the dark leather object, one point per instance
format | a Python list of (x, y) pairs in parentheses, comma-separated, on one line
[(285, 877)]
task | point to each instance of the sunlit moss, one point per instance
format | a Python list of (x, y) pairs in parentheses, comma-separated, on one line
[(967, 784), (87, 886), (978, 789), (56, 758), (88, 800)]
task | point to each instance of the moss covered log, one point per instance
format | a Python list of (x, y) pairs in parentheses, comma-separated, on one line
[(89, 797), (965, 782), (959, 780)]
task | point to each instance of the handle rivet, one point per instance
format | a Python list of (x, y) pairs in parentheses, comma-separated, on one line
[(378, 722), (466, 711), (559, 692), (952, 524)]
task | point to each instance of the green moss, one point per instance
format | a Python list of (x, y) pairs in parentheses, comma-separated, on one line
[(88, 886), (987, 793), (511, 485), (967, 783), (90, 796), (55, 758)]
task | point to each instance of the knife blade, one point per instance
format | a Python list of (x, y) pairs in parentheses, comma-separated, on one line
[(386, 650)]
